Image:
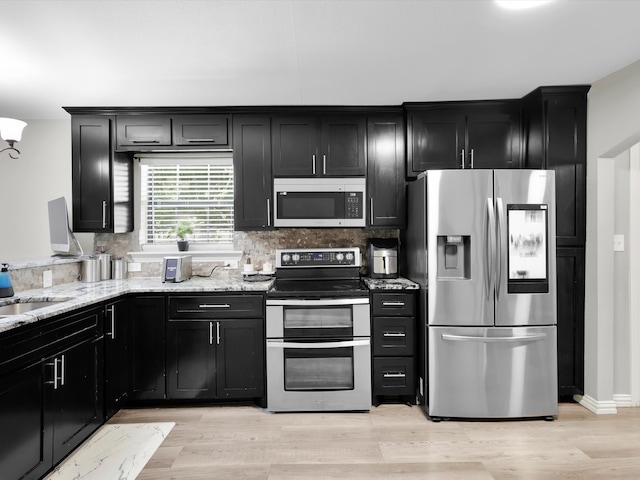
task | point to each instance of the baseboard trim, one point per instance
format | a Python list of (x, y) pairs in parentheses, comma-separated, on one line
[(597, 407), (623, 400)]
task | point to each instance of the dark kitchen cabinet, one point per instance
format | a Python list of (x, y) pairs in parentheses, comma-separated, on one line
[(253, 181), (449, 135), (386, 186), (101, 179), (143, 131), (393, 338), (147, 347), (50, 391), (215, 347), (116, 337), (199, 130), (309, 146)]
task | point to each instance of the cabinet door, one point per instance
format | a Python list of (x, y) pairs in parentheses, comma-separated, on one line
[(191, 359), (116, 382), (294, 144), (493, 138), (386, 186), (25, 420), (342, 146), (436, 139), (143, 131), (201, 131), (78, 407), (146, 348), (570, 271), (240, 358), (91, 157), (252, 172)]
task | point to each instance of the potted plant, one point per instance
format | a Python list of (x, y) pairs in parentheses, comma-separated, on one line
[(182, 229)]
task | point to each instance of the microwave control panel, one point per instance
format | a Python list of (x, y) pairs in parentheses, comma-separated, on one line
[(353, 207)]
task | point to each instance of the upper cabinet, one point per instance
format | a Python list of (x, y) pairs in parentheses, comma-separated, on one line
[(100, 179), (165, 131), (448, 135), (309, 146), (556, 139)]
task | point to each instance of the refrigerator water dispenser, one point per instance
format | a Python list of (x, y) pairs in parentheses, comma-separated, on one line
[(454, 260)]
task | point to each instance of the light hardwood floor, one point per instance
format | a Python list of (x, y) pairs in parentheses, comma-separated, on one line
[(391, 442)]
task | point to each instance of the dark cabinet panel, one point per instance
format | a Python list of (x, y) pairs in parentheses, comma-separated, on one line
[(143, 130), (252, 172), (147, 347), (386, 186), (463, 135), (115, 356), (342, 146), (294, 143), (571, 285), (201, 130)]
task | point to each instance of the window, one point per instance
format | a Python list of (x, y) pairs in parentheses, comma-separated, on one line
[(194, 188)]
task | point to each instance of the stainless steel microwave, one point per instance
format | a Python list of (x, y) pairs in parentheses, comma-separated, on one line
[(319, 202)]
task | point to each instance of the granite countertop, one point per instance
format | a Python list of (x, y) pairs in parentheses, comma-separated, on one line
[(399, 283), (72, 296)]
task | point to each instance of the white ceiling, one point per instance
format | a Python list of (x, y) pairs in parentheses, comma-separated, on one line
[(56, 53)]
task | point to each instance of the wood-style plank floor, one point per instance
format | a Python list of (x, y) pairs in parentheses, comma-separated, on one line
[(391, 442)]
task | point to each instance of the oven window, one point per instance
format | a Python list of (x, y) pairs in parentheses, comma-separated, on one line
[(312, 322), (318, 369), (303, 205)]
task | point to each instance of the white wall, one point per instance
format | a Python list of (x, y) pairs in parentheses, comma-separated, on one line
[(42, 172), (613, 126)]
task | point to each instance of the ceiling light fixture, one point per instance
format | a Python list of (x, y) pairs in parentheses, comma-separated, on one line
[(11, 132), (521, 4)]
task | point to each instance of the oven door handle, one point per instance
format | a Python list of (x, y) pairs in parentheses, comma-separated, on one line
[(322, 302), (315, 345)]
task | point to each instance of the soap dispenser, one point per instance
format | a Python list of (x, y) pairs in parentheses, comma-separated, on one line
[(6, 289)]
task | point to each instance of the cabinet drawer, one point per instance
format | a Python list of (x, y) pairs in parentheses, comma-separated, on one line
[(393, 336), (143, 130), (201, 130), (223, 306), (393, 376), (400, 304)]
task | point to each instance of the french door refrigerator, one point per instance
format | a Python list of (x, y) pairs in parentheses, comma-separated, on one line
[(481, 244)]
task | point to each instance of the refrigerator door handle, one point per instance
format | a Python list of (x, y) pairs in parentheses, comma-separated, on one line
[(499, 246), (491, 248), (471, 338)]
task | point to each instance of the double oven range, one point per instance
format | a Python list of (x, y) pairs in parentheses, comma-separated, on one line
[(318, 332)]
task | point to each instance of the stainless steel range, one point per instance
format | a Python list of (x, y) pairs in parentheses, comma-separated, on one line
[(318, 332)]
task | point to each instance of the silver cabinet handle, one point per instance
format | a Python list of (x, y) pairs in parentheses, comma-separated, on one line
[(112, 316), (324, 164), (210, 333), (394, 375), (55, 373), (472, 158), (392, 334), (462, 158), (104, 214), (146, 141), (217, 333), (371, 211), (214, 305), (196, 140), (62, 371), (393, 304), (268, 212), (313, 164)]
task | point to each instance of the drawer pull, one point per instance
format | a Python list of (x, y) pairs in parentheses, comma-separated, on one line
[(214, 305), (392, 334), (393, 304), (200, 140), (394, 375)]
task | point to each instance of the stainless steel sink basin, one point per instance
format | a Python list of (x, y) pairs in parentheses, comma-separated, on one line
[(24, 307)]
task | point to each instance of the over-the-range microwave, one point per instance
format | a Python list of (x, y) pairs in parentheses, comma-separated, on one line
[(319, 202)]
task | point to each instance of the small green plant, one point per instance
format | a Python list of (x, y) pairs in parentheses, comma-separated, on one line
[(182, 229)]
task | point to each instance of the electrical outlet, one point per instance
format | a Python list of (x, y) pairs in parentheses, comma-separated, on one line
[(47, 279), (618, 243), (134, 267)]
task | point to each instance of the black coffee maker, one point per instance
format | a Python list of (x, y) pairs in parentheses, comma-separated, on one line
[(382, 256)]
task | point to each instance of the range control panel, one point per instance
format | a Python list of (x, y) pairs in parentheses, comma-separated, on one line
[(326, 257)]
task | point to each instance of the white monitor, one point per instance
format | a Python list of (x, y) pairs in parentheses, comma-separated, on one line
[(63, 241)]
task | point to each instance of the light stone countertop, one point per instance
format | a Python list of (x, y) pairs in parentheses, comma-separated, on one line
[(72, 296)]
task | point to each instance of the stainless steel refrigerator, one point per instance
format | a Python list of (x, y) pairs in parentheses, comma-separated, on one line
[(481, 244)]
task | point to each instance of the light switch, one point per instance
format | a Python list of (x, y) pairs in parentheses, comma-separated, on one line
[(618, 243)]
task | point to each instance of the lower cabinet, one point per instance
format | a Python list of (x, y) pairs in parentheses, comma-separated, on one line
[(116, 372), (393, 349), (51, 395)]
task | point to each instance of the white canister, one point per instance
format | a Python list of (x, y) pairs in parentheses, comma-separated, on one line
[(90, 270)]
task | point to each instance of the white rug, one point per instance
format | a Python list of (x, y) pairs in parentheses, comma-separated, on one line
[(118, 451)]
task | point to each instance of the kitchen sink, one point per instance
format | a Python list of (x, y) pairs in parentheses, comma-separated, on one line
[(28, 306)]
